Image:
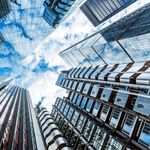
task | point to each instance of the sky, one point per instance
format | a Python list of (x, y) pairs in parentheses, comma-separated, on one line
[(30, 53), (39, 70)]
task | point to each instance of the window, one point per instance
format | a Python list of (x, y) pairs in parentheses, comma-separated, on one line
[(66, 110), (74, 85), (81, 123), (89, 105), (78, 100), (104, 112), (144, 137), (62, 106), (80, 86), (88, 130), (98, 138), (95, 91), (75, 98), (129, 124), (83, 102), (70, 113), (115, 117), (106, 94), (86, 88), (96, 108), (121, 99), (142, 105), (75, 117)]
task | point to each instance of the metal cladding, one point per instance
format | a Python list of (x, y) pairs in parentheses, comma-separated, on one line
[(17, 119), (107, 107), (51, 134)]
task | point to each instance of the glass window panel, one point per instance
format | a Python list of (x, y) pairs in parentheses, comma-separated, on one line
[(75, 98), (96, 108), (104, 113), (89, 105), (75, 117), (106, 94), (142, 105), (83, 103), (95, 91), (89, 72), (138, 47), (112, 53), (121, 98), (144, 137), (78, 100), (86, 88), (115, 116), (80, 123), (107, 70), (129, 124), (80, 85), (74, 85)]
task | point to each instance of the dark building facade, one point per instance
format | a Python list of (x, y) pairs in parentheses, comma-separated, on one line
[(97, 11), (18, 124), (56, 10), (5, 8), (107, 107), (135, 24)]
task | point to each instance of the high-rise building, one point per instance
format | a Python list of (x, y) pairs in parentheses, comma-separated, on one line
[(107, 107), (51, 133), (134, 24), (56, 11), (5, 8), (108, 86), (97, 11), (125, 41), (19, 128)]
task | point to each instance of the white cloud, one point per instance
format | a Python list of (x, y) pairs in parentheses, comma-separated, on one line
[(43, 84)]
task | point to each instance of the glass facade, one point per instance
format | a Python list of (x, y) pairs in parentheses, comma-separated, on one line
[(55, 11), (125, 41), (98, 11)]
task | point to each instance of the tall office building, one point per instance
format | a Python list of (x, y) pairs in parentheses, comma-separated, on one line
[(97, 11), (51, 133), (134, 24), (5, 8), (19, 128), (108, 86), (56, 11), (107, 107), (125, 41)]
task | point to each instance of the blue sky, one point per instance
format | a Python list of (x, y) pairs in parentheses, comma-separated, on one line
[(30, 54), (34, 62)]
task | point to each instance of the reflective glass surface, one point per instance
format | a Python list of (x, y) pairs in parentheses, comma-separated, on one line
[(89, 105)]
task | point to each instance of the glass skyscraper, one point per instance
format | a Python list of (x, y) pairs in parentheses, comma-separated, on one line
[(19, 128), (24, 27), (57, 11), (108, 84), (97, 11), (125, 41)]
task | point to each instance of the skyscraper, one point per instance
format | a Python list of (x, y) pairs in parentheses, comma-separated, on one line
[(5, 8), (107, 106), (51, 133), (19, 128), (56, 11), (125, 41), (97, 11)]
